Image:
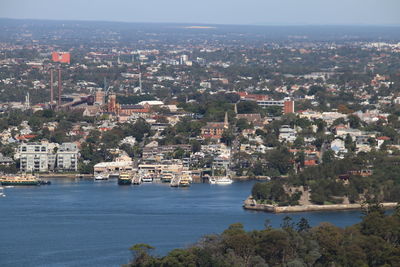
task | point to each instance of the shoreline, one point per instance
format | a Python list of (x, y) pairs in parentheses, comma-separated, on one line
[(250, 178), (250, 204), (64, 175), (80, 176)]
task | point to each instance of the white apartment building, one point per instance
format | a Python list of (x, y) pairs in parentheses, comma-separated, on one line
[(67, 157), (34, 157), (287, 134), (41, 157)]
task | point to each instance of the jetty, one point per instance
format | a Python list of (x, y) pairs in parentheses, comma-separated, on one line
[(251, 204), (82, 176), (175, 181), (137, 180)]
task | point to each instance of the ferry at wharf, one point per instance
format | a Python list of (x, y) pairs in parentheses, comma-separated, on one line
[(125, 178), (22, 179)]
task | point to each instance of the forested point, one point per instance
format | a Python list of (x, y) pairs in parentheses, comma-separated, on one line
[(372, 176), (375, 241)]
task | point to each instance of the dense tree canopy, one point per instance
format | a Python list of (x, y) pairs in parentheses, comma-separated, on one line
[(373, 242)]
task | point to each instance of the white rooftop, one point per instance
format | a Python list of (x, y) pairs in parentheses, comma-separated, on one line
[(151, 102)]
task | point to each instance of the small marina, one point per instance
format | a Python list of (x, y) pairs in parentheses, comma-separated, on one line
[(173, 174)]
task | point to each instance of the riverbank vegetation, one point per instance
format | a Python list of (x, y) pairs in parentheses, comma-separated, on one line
[(375, 241)]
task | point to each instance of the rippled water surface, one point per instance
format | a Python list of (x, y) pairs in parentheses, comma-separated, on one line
[(87, 223)]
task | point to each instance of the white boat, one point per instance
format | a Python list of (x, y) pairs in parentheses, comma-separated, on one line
[(136, 180), (2, 192), (147, 179), (220, 180), (101, 176)]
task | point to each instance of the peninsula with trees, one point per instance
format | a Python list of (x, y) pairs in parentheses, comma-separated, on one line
[(335, 184)]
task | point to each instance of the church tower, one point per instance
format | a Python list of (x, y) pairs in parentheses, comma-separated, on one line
[(226, 122)]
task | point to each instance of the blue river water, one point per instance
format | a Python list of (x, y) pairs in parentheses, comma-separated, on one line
[(93, 223)]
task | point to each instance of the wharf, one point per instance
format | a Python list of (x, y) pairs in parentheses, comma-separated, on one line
[(64, 175)]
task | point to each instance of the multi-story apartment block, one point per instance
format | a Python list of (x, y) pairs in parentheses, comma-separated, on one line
[(286, 133), (40, 157), (34, 157), (67, 157)]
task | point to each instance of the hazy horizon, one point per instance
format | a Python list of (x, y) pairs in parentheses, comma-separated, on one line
[(201, 23), (223, 12)]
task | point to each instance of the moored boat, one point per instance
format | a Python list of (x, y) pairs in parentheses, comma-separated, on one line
[(186, 179), (220, 180), (2, 192), (101, 176), (24, 179), (136, 180), (184, 182), (167, 176), (147, 179), (124, 179)]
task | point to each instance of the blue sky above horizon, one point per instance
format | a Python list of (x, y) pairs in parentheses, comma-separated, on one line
[(253, 12)]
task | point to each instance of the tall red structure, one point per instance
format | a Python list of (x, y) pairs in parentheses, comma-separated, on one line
[(51, 87), (59, 87), (112, 103), (288, 106), (62, 57)]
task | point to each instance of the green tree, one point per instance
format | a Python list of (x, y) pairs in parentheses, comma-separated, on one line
[(248, 107), (300, 158), (35, 123), (227, 137), (328, 156), (354, 121), (242, 124), (303, 225), (196, 146), (280, 159), (141, 255), (299, 142), (348, 143)]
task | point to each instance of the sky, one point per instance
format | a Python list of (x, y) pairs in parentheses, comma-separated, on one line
[(253, 12)]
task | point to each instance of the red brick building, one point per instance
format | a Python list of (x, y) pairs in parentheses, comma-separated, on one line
[(215, 130), (288, 106)]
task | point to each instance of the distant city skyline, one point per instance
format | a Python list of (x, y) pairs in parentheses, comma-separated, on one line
[(252, 12)]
